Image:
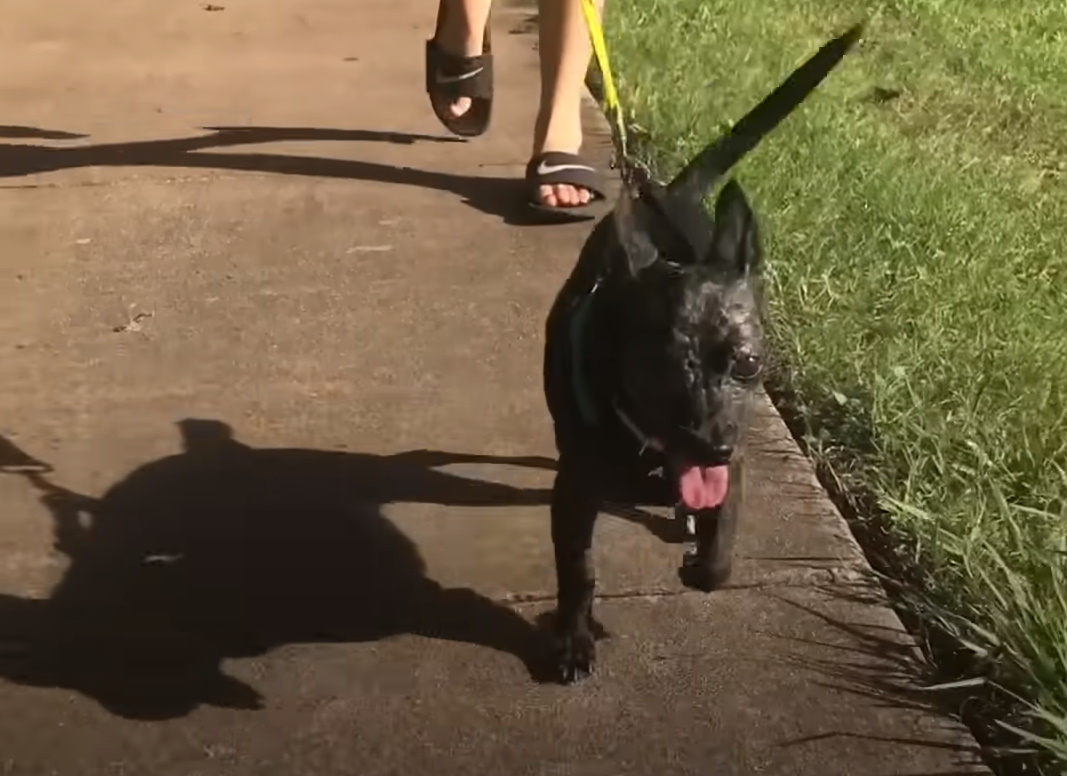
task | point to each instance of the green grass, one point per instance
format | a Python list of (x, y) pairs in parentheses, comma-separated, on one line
[(918, 261)]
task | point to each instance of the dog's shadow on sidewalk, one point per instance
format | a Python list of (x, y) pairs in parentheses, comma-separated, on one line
[(497, 196), (227, 551)]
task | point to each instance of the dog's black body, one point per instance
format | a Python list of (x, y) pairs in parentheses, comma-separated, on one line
[(653, 351)]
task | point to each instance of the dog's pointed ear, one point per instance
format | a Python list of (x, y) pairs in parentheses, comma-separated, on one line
[(735, 242), (633, 230)]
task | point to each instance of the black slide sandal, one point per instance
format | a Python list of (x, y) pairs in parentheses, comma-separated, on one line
[(450, 77), (551, 168)]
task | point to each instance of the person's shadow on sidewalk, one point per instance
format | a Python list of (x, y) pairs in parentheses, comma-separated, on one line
[(497, 196), (226, 551)]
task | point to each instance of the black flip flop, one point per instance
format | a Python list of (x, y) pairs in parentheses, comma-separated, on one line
[(551, 168), (450, 77)]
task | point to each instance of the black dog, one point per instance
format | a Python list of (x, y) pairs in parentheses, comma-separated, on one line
[(653, 351)]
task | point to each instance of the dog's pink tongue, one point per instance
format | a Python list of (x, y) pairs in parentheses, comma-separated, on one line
[(704, 487)]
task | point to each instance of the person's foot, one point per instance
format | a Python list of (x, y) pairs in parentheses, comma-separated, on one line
[(563, 194), (561, 136), (459, 69), (562, 182), (456, 39)]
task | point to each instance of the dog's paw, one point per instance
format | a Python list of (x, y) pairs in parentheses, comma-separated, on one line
[(575, 656), (706, 577)]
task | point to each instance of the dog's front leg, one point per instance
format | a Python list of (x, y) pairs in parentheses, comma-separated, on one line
[(574, 511), (710, 566), (716, 530)]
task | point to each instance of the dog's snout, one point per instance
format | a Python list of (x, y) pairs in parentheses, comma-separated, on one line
[(720, 453), (702, 444)]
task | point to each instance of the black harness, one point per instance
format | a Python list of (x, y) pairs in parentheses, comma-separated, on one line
[(583, 397)]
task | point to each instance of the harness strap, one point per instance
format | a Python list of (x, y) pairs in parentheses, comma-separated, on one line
[(579, 318), (579, 384), (646, 441)]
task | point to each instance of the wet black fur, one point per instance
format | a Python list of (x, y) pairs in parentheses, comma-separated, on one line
[(669, 302)]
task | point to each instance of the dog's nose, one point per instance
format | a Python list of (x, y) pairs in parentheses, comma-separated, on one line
[(700, 446), (720, 452)]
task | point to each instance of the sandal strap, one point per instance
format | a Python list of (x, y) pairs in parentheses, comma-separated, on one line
[(454, 77), (557, 167)]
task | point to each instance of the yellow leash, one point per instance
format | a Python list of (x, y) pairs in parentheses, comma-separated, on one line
[(612, 108)]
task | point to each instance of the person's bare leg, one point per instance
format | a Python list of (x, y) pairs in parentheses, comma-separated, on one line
[(462, 36), (565, 51)]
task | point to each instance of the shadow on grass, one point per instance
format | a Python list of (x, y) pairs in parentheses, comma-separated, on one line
[(226, 551), (496, 196)]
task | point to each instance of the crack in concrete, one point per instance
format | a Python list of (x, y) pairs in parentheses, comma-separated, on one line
[(783, 578), (179, 179)]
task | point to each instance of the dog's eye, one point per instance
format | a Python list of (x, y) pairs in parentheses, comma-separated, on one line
[(746, 367)]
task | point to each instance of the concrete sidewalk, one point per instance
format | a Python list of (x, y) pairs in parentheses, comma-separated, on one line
[(339, 566)]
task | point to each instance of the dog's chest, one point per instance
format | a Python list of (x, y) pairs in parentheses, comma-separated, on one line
[(636, 477)]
